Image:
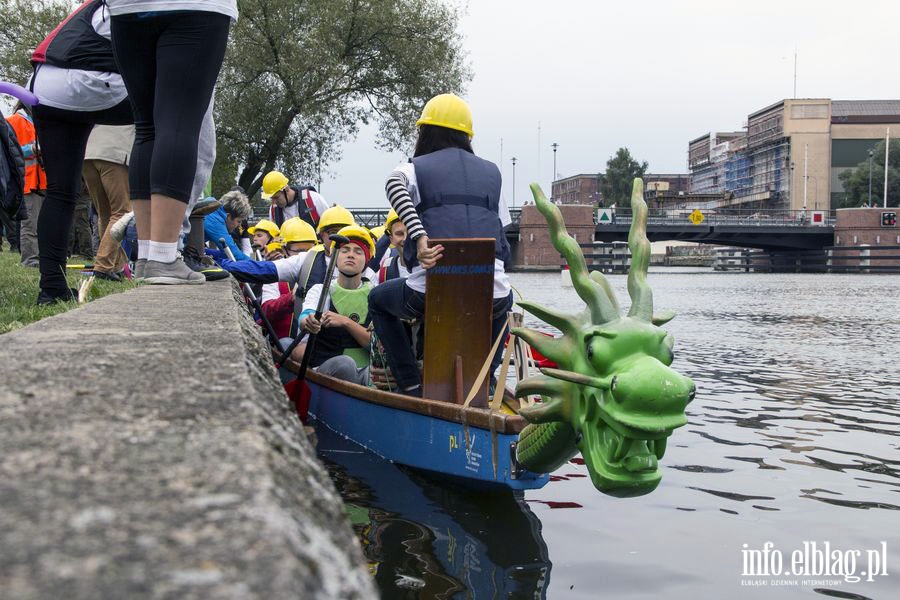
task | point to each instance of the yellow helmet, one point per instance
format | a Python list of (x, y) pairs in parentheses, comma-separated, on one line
[(378, 231), (273, 182), (273, 246), (355, 232), (392, 216), (447, 110), (264, 225), (336, 215), (296, 229)]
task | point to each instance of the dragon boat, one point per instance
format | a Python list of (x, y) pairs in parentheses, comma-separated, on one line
[(612, 396)]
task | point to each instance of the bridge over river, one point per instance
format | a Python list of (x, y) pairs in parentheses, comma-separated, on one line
[(764, 229)]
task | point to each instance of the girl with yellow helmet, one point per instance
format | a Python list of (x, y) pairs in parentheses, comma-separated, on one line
[(444, 191)]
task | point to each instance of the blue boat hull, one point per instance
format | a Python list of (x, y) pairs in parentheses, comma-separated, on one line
[(474, 455)]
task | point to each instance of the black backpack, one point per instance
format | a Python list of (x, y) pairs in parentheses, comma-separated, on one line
[(12, 174)]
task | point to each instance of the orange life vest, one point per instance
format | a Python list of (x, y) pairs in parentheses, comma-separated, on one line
[(35, 178)]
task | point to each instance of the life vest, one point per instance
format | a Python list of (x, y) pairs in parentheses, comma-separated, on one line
[(390, 269), (459, 197), (381, 246), (306, 211), (333, 341), (74, 44), (35, 178), (313, 269)]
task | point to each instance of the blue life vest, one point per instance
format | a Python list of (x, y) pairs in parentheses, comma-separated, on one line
[(459, 197)]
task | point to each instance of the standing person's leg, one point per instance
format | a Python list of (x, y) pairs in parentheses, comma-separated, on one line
[(81, 226), (28, 241), (188, 55), (63, 136), (8, 226), (108, 184), (134, 46), (206, 159)]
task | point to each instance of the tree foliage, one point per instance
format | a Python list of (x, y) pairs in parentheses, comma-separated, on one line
[(621, 169), (23, 25), (856, 181), (300, 77)]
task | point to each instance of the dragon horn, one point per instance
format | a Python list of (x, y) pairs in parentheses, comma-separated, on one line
[(564, 323), (540, 385), (601, 309), (545, 412), (603, 282), (638, 289), (552, 348)]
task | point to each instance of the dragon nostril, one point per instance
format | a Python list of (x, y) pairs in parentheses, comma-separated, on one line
[(692, 394)]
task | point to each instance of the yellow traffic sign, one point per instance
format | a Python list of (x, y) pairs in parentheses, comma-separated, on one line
[(696, 217)]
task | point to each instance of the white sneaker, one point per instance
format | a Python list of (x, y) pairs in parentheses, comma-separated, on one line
[(173, 273), (117, 229)]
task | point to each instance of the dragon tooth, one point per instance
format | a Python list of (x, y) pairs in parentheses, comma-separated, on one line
[(659, 447)]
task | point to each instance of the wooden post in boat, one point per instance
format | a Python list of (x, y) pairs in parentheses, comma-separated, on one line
[(458, 308)]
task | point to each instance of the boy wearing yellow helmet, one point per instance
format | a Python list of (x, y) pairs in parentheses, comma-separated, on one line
[(342, 345), (263, 233), (291, 200), (445, 191)]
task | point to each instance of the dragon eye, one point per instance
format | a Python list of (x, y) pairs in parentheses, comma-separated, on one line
[(613, 384), (590, 351)]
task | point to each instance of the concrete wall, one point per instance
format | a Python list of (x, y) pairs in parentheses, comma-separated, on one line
[(147, 450)]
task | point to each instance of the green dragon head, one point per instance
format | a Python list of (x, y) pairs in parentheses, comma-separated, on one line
[(613, 397)]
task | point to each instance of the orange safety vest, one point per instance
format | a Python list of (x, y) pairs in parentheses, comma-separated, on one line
[(35, 177)]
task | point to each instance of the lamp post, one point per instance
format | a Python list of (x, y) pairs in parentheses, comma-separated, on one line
[(871, 152), (554, 145), (514, 161)]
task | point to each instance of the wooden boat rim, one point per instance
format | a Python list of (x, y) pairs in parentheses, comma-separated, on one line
[(481, 418)]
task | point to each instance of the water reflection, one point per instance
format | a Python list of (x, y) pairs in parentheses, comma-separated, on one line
[(425, 538), (793, 436)]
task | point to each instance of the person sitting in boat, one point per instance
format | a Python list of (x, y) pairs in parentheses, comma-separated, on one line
[(444, 191), (263, 233), (277, 299), (342, 342), (392, 265), (382, 240), (303, 270), (290, 201)]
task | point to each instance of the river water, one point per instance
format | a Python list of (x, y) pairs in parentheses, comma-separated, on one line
[(793, 439)]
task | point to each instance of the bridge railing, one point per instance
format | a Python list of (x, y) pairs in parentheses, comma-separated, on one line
[(737, 217), (372, 217)]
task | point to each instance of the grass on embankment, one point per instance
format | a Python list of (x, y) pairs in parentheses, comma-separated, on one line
[(19, 290)]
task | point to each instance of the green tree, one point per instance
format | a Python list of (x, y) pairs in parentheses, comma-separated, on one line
[(300, 77), (856, 181), (23, 25), (615, 184)]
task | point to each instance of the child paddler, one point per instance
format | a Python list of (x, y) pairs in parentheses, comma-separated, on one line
[(342, 344), (445, 191), (305, 268)]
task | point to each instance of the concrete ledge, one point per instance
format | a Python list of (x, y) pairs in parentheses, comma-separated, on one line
[(147, 451)]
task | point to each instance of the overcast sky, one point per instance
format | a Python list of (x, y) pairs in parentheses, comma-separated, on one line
[(648, 75)]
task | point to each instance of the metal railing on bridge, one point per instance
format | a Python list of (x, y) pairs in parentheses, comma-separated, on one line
[(737, 217), (372, 217)]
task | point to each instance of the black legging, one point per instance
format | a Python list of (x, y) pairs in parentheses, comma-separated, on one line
[(63, 136), (170, 62)]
